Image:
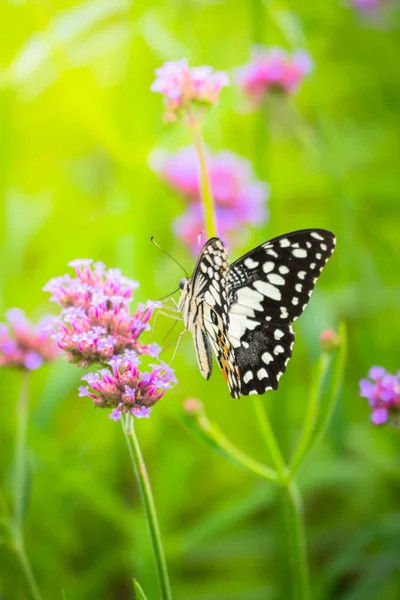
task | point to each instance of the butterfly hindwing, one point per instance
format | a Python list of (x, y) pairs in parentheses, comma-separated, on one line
[(268, 288), (220, 343)]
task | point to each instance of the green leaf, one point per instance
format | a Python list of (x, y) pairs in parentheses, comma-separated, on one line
[(138, 593)]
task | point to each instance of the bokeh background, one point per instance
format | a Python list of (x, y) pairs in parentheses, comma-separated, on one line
[(78, 123)]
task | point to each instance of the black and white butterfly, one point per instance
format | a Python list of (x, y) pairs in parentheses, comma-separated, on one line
[(244, 311)]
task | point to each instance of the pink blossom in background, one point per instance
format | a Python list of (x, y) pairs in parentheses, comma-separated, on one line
[(240, 199), (23, 344), (184, 87), (367, 6), (383, 392), (272, 69)]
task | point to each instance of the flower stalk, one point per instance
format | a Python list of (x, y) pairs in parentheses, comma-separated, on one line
[(205, 186), (142, 477), (20, 487)]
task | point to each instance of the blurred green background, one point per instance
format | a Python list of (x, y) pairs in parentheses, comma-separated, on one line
[(77, 123)]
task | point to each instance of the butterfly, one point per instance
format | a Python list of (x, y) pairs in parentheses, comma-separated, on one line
[(243, 312)]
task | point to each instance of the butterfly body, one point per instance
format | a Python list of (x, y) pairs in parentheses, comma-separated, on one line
[(243, 312)]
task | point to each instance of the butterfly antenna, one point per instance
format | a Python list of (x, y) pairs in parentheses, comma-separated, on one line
[(168, 295), (169, 255)]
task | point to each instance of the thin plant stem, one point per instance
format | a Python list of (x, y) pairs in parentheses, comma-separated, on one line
[(298, 544), (310, 417), (140, 470), (19, 480), (210, 433), (27, 569), (270, 439), (205, 186), (334, 391), (19, 487)]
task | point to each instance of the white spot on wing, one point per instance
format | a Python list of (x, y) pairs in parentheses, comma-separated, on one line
[(283, 270), (301, 274), (279, 350), (316, 235), (295, 300), (284, 312), (276, 279), (250, 297), (267, 358), (248, 376), (284, 243), (267, 289), (262, 373), (278, 334), (250, 263), (299, 253), (268, 266)]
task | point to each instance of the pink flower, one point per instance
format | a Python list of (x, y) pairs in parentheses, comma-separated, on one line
[(184, 88), (124, 388), (240, 199), (23, 344), (383, 392), (95, 321), (367, 6), (271, 70), (95, 326)]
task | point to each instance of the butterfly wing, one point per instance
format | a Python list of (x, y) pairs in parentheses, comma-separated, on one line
[(206, 313), (218, 337), (268, 289)]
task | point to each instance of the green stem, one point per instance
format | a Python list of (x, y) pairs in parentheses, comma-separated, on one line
[(334, 389), (310, 418), (149, 506), (210, 433), (205, 186), (298, 544), (19, 481), (20, 485), (270, 439), (26, 568)]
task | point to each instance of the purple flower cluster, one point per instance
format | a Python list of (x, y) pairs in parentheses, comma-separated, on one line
[(95, 326), (95, 321), (383, 392), (23, 344), (184, 88), (367, 6), (272, 70), (240, 199), (125, 389)]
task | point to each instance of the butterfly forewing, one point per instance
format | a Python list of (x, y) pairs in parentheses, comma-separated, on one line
[(268, 288)]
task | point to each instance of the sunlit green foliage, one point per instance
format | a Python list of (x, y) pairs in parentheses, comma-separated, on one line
[(77, 123)]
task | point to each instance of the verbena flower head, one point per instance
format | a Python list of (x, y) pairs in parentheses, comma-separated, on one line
[(185, 88), (23, 344), (95, 321), (125, 389), (272, 70), (383, 392), (240, 199), (95, 326)]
